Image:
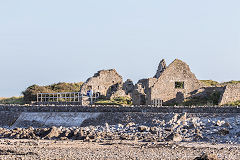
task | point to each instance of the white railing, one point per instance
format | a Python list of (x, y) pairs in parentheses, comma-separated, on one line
[(65, 97), (157, 102)]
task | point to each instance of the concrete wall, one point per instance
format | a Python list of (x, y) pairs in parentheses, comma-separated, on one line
[(48, 119), (8, 118)]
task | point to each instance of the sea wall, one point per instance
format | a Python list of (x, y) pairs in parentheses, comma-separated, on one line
[(163, 109)]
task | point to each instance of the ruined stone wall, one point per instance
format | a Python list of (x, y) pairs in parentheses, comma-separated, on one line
[(162, 66), (230, 94), (141, 92), (105, 82), (164, 87), (138, 95), (128, 86)]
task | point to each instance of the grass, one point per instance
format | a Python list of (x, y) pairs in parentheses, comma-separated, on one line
[(122, 101), (215, 83), (209, 82), (12, 100), (236, 103), (231, 82)]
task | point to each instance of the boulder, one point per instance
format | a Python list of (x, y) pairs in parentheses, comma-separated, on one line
[(153, 130), (53, 132), (143, 128), (223, 131), (130, 124), (176, 137), (220, 123), (181, 118), (207, 157)]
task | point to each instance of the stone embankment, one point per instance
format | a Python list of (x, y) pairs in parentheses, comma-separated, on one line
[(162, 109)]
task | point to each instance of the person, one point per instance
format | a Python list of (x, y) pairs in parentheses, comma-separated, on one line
[(89, 93)]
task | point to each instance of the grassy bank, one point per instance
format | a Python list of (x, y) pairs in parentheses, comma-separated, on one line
[(12, 100)]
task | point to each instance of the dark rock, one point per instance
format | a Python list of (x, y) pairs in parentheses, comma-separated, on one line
[(197, 137), (168, 127), (176, 137), (207, 157), (153, 130), (223, 131), (191, 126)]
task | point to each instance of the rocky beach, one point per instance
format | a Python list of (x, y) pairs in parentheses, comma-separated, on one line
[(161, 136)]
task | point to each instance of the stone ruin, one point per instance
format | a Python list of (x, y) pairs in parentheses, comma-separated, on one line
[(172, 84), (162, 66), (231, 93), (108, 84)]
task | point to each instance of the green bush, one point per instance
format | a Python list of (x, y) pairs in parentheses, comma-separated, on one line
[(30, 94)]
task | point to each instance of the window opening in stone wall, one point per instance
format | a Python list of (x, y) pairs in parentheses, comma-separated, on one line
[(179, 85)]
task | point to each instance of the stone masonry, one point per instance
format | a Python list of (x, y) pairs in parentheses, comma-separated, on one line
[(231, 94), (109, 84), (165, 85), (103, 82), (172, 84)]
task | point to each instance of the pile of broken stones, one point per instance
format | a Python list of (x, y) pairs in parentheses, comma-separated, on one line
[(175, 127)]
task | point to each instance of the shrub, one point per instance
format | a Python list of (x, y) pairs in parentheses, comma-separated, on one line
[(30, 94)]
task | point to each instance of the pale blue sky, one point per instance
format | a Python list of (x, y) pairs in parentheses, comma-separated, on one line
[(50, 41)]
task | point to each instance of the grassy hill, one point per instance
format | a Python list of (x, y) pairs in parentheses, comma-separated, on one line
[(30, 94)]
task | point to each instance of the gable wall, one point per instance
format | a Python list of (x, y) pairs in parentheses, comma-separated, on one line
[(164, 88)]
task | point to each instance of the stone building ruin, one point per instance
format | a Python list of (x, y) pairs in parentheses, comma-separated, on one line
[(231, 93), (107, 84), (172, 84), (175, 83)]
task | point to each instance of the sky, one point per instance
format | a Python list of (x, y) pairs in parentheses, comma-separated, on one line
[(51, 41)]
